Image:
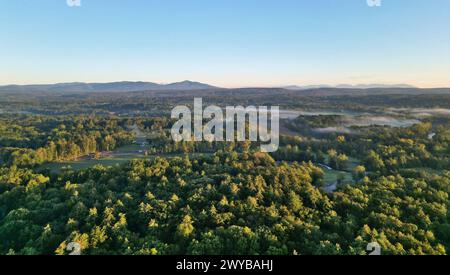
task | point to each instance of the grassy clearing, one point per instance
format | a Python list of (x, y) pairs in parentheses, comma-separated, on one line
[(84, 164), (132, 148), (119, 156), (331, 177), (116, 159)]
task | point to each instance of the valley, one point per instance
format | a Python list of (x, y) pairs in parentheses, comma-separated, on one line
[(104, 168)]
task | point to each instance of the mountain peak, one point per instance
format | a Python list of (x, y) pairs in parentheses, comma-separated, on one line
[(190, 85)]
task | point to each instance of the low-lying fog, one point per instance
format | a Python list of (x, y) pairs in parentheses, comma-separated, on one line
[(422, 112), (402, 117)]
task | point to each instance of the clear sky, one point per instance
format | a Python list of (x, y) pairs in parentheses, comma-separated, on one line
[(227, 43)]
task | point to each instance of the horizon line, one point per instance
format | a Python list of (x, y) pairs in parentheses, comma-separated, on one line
[(282, 86)]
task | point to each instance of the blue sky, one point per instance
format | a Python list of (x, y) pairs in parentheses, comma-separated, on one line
[(228, 43)]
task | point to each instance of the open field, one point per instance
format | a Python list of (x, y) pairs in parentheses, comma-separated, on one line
[(331, 176), (84, 164)]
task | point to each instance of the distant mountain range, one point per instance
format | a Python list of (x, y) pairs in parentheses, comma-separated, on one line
[(124, 86), (348, 86), (130, 86)]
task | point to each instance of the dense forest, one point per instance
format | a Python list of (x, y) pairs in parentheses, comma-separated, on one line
[(29, 141), (321, 193)]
